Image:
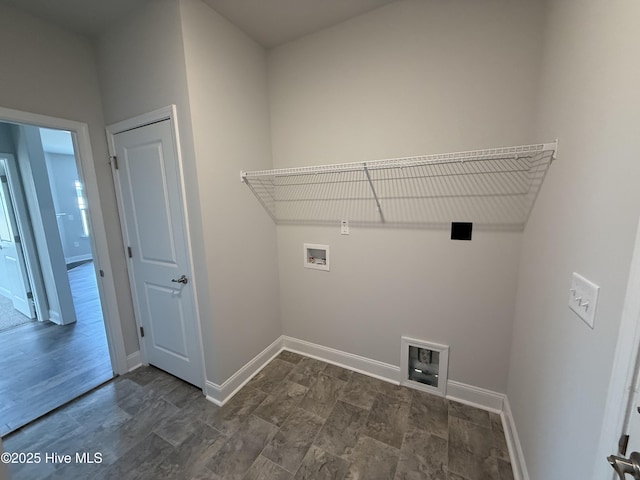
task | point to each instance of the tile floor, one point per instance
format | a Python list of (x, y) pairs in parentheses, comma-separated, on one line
[(299, 418)]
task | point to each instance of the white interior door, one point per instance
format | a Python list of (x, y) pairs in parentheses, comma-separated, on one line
[(14, 282), (148, 175)]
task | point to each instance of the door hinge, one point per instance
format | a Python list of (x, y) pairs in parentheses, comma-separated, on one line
[(142, 331), (102, 273), (623, 443), (3, 179), (16, 239), (114, 160), (129, 252), (29, 295)]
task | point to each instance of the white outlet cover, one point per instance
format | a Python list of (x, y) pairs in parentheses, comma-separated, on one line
[(344, 227), (583, 298)]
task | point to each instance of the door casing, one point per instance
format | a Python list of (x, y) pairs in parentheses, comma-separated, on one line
[(165, 113), (99, 244)]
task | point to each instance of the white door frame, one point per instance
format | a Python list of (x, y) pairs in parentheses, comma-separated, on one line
[(165, 113), (98, 238), (622, 383)]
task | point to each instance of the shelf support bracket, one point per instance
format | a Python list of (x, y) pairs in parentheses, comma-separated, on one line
[(373, 190)]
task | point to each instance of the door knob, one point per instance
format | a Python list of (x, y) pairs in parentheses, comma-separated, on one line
[(622, 465), (183, 279)]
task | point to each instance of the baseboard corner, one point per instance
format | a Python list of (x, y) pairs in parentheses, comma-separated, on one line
[(513, 443), (475, 396), (134, 361), (221, 394)]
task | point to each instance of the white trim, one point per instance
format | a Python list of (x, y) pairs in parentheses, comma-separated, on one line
[(54, 316), (518, 463), (25, 229), (78, 258), (459, 392), (165, 113), (87, 171), (134, 361), (443, 365), (367, 366), (221, 394), (623, 371), (475, 396)]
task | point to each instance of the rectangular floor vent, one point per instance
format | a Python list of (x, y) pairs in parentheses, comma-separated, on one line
[(424, 365)]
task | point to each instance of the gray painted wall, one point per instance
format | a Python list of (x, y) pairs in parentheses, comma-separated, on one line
[(63, 172), (50, 71), (6, 142), (141, 68), (227, 81), (410, 78), (35, 181), (222, 89), (584, 221)]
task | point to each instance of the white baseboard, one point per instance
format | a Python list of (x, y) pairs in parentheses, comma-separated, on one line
[(78, 258), (373, 368), (513, 443), (460, 392), (221, 394), (475, 396), (55, 317), (134, 361)]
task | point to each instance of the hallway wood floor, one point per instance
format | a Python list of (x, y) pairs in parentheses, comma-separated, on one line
[(44, 365)]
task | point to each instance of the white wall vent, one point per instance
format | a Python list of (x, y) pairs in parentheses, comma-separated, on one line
[(424, 365)]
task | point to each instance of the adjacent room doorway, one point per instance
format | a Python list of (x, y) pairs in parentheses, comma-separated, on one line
[(56, 338)]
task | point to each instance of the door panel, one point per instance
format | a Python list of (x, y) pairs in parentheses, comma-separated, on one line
[(163, 302), (14, 283), (152, 206)]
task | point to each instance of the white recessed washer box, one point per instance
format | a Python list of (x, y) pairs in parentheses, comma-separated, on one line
[(316, 256), (583, 298)]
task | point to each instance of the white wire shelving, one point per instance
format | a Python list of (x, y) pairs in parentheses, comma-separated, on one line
[(494, 188)]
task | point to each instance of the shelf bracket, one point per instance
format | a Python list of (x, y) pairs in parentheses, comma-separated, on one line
[(373, 190)]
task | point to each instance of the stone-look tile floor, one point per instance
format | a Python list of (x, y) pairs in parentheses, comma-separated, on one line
[(299, 418)]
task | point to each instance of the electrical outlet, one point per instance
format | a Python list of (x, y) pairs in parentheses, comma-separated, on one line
[(583, 298), (344, 227)]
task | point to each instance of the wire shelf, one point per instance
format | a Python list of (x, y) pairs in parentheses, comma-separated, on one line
[(494, 188)]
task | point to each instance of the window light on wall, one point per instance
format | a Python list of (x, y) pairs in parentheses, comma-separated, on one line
[(82, 205)]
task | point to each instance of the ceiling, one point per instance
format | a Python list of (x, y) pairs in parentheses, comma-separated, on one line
[(274, 22), (269, 22), (88, 17)]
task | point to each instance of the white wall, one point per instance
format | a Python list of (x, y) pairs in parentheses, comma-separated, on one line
[(63, 173), (227, 81), (35, 181), (50, 71), (142, 66), (584, 221), (410, 78), (6, 142)]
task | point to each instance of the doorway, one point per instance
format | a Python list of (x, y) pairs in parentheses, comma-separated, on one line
[(55, 347), (150, 190)]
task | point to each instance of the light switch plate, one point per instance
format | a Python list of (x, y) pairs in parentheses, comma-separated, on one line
[(344, 227), (583, 298)]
